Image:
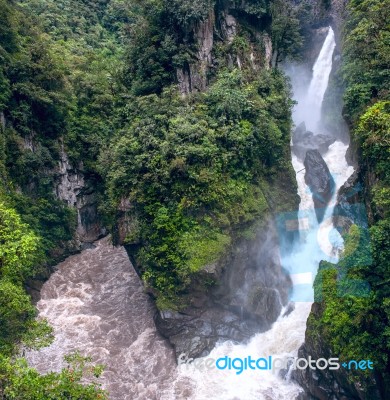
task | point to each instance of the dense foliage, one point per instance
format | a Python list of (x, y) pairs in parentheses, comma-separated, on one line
[(194, 170), (366, 52), (59, 83), (356, 323), (95, 80), (35, 107), (43, 97)]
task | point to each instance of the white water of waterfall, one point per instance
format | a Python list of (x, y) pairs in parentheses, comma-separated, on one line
[(309, 108), (318, 242)]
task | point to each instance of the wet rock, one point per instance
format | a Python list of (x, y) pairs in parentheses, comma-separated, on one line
[(290, 308), (298, 133), (195, 335), (265, 304), (304, 140), (349, 201), (78, 192), (319, 180)]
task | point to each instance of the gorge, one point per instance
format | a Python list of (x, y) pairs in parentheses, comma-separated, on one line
[(189, 181), (90, 311)]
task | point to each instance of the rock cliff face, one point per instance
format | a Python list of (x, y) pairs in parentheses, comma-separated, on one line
[(247, 288), (240, 295), (328, 384), (336, 384), (70, 185), (251, 289), (319, 180), (223, 25), (78, 192)]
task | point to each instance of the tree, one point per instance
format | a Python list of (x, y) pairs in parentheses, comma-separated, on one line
[(19, 247), (285, 31), (19, 382)]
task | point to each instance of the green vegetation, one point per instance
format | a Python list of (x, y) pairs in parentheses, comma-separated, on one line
[(52, 88), (19, 382), (356, 323), (196, 171), (366, 52), (193, 170), (59, 83), (286, 32), (35, 107), (20, 255), (95, 80)]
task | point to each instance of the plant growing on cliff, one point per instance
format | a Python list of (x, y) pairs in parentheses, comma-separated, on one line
[(186, 12), (19, 256), (366, 51), (19, 382), (193, 169), (286, 34)]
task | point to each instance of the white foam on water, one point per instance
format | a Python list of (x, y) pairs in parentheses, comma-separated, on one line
[(96, 304)]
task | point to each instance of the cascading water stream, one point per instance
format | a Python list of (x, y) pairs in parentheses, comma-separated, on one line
[(318, 242), (95, 303), (309, 105), (319, 83)]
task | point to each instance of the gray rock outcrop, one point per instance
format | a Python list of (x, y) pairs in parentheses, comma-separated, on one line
[(72, 187), (319, 180), (304, 140)]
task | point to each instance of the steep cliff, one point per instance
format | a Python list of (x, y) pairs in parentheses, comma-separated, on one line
[(217, 273), (53, 91)]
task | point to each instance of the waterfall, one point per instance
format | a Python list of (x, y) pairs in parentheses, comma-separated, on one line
[(321, 71), (309, 108), (318, 242)]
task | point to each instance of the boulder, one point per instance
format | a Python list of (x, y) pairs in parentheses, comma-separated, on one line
[(304, 140), (319, 180)]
